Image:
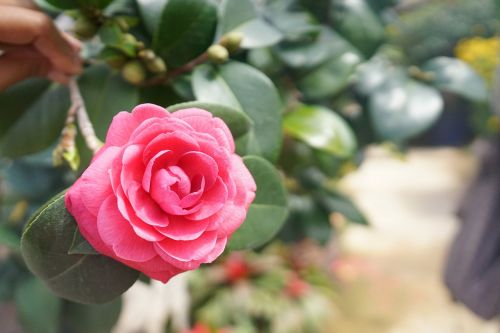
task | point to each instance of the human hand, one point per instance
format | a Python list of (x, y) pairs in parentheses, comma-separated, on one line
[(33, 46)]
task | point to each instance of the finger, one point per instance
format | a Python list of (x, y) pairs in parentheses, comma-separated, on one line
[(19, 3), (21, 64), (75, 43), (20, 26)]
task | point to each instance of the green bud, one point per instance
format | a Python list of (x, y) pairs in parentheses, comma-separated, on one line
[(84, 27), (122, 23), (113, 57), (134, 72), (147, 54), (157, 65), (129, 38), (232, 41), (218, 54)]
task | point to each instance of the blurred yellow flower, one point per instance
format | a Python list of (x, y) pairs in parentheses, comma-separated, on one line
[(482, 54)]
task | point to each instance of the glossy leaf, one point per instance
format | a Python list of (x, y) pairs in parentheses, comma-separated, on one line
[(96, 318), (306, 54), (456, 76), (80, 245), (403, 108), (372, 74), (306, 219), (186, 30), (335, 202), (17, 99), (330, 78), (242, 16), (39, 126), (269, 210), (321, 128), (356, 21), (237, 121), (295, 26), (112, 36), (151, 11), (38, 309), (80, 278), (244, 88)]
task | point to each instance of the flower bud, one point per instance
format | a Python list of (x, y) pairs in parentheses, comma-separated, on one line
[(84, 27), (134, 72), (113, 57), (218, 54), (156, 65), (122, 23), (232, 41), (147, 54)]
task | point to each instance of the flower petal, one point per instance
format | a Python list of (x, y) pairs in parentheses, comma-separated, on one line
[(203, 121), (95, 185), (117, 232), (211, 202), (180, 228), (146, 208), (195, 249)]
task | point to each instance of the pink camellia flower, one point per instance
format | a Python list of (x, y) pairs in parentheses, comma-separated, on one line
[(165, 192)]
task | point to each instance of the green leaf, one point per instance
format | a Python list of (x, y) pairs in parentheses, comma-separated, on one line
[(9, 238), (306, 220), (112, 36), (456, 76), (321, 128), (39, 126), (296, 26), (160, 95), (72, 4), (241, 16), (356, 21), (330, 78), (372, 74), (268, 211), (38, 309), (333, 201), (80, 278), (17, 99), (80, 245), (403, 108), (151, 11), (306, 54), (244, 88), (186, 30), (237, 121), (83, 318), (105, 94)]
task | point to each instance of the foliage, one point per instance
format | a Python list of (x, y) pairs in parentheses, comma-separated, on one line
[(277, 290), (434, 29), (304, 86)]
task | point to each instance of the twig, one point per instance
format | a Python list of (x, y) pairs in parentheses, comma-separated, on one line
[(176, 72), (86, 128)]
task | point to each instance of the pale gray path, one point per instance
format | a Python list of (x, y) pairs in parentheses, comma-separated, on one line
[(392, 271)]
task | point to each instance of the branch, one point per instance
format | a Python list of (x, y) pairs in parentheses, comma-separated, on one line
[(176, 72), (86, 128)]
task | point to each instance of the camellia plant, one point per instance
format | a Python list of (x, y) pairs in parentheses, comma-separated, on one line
[(197, 127)]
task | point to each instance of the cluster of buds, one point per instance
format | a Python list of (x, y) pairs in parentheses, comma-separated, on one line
[(131, 57), (87, 22), (229, 43)]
